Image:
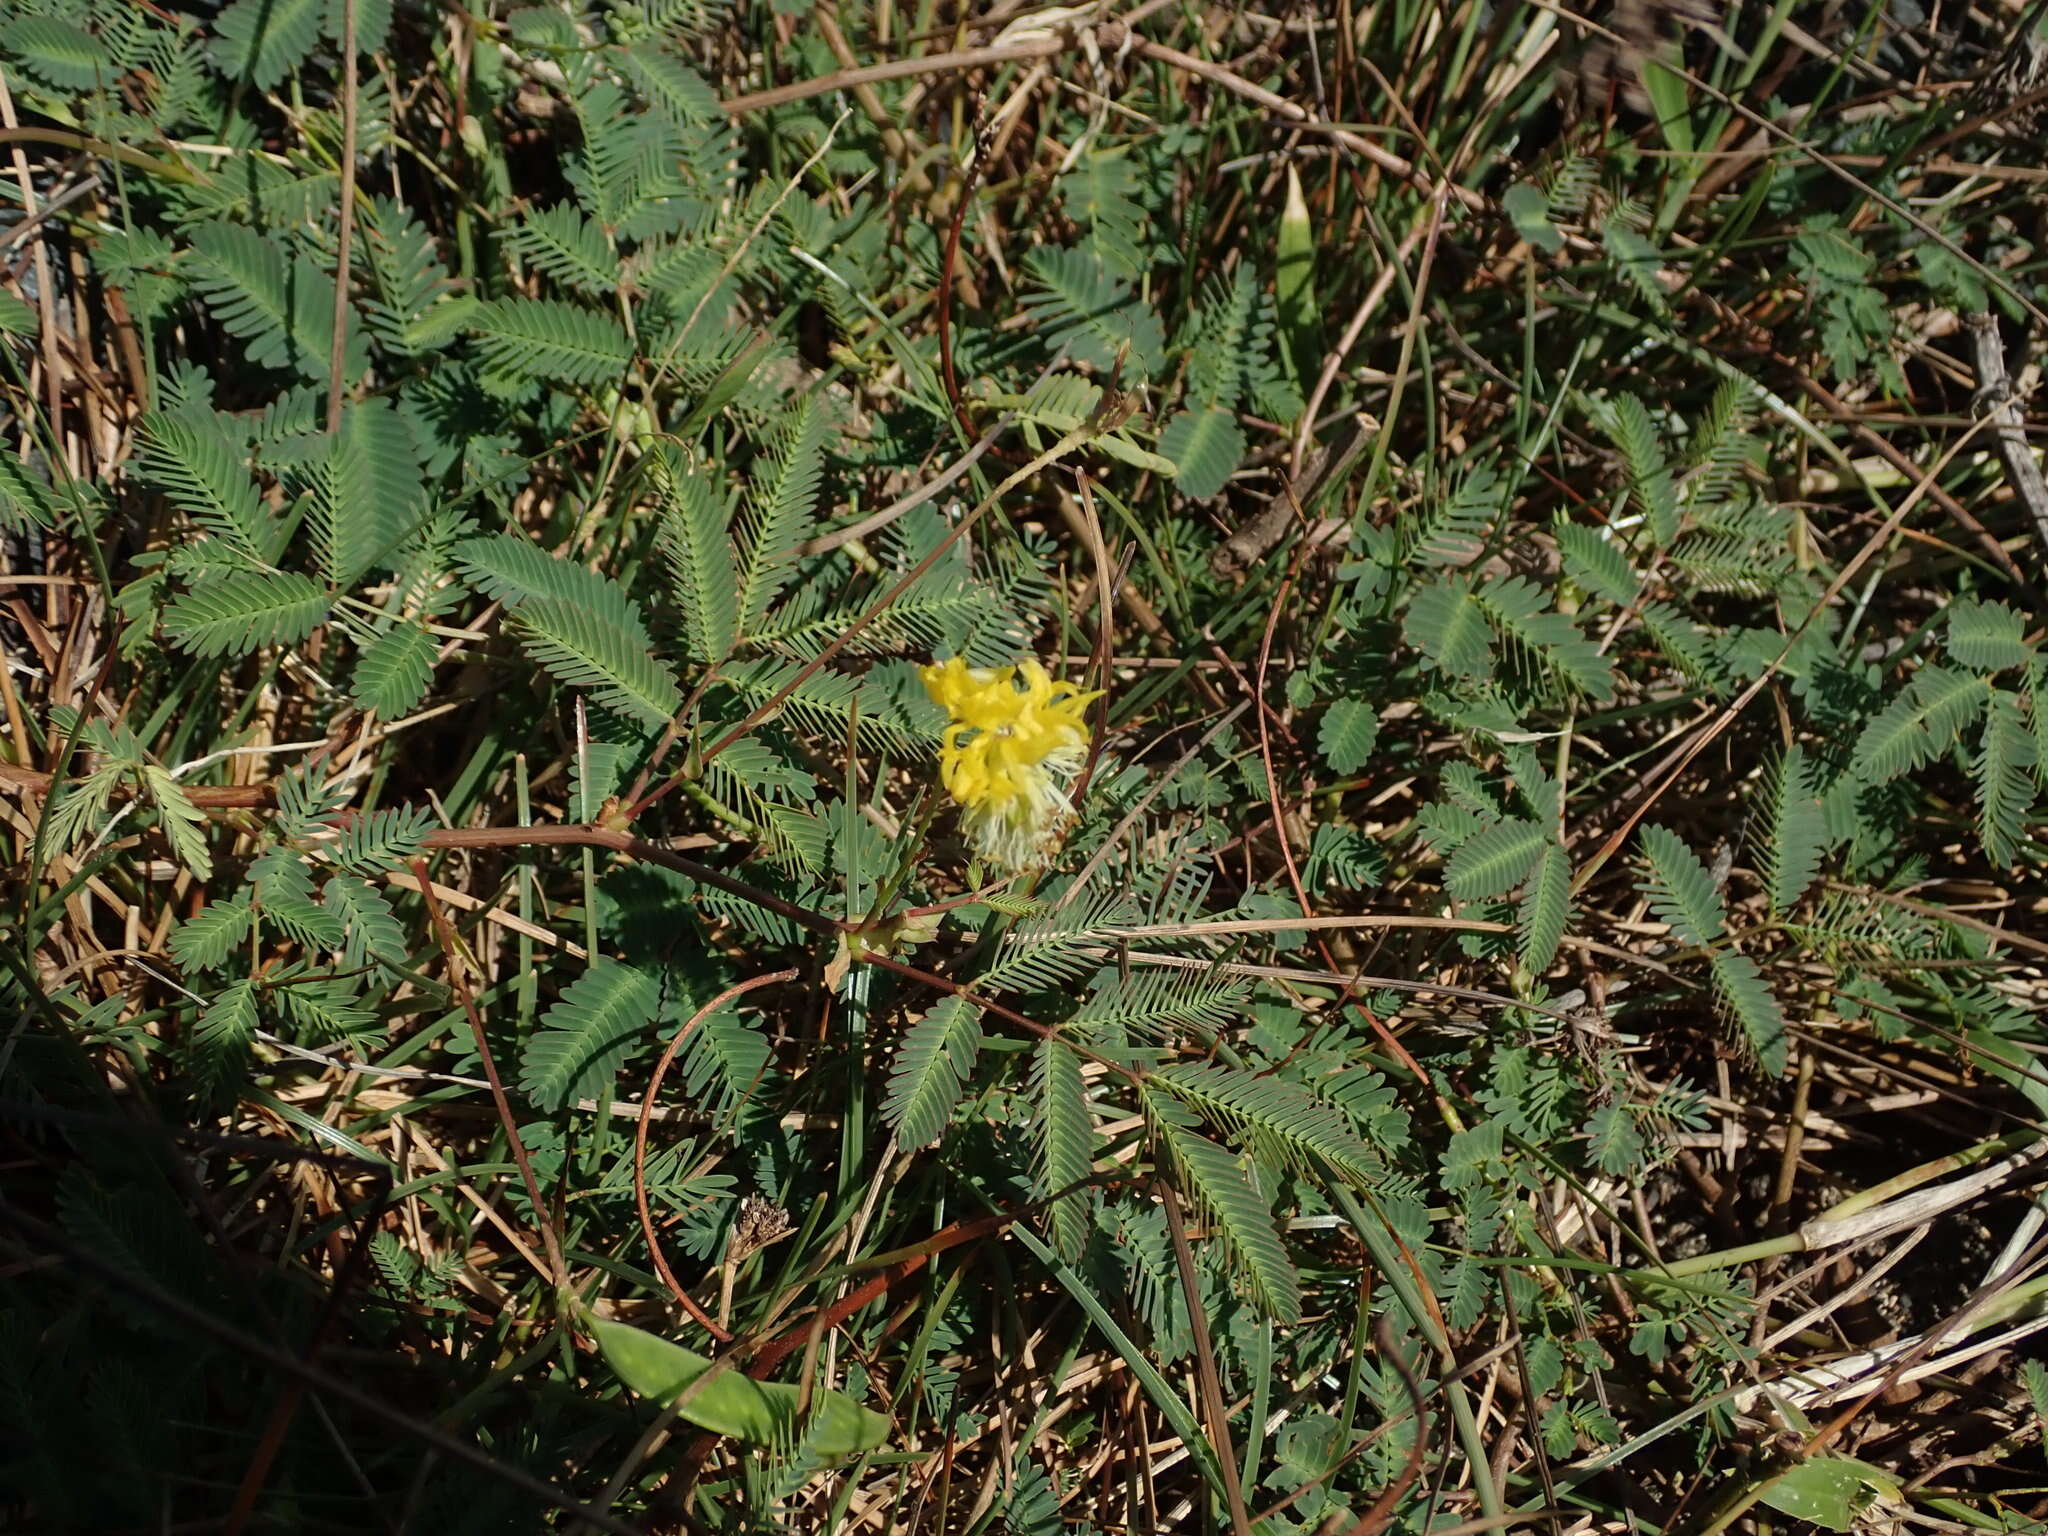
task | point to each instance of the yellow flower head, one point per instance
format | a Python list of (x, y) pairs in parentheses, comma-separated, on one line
[(1016, 741)]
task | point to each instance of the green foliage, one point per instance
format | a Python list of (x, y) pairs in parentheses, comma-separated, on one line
[(238, 614), (1796, 836), (606, 652), (730, 1403), (1340, 967), (1206, 446), (261, 41), (206, 477), (394, 670), (279, 304), (1546, 909), (60, 55), (935, 1059), (586, 1036), (1082, 308), (1067, 1142), (1224, 1190), (1346, 735), (1627, 423), (780, 503), (552, 339), (1496, 860), (1284, 1123)]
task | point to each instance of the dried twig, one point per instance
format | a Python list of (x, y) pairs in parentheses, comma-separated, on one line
[(1996, 401)]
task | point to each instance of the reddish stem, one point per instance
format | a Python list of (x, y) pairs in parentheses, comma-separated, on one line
[(661, 1067)]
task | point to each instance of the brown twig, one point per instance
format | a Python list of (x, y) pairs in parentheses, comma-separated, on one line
[(444, 934), (1211, 1389), (2009, 423), (896, 69), (338, 350)]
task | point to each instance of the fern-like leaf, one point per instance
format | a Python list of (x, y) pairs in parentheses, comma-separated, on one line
[(183, 823), (931, 1067), (1743, 991), (1545, 911), (204, 942), (568, 248), (1919, 725), (2036, 690), (393, 671), (1455, 528), (2004, 785), (241, 613), (1797, 832), (25, 502), (1450, 628), (553, 339), (1627, 424), (592, 651), (702, 581), (1349, 730), (1517, 609), (780, 505), (511, 569), (79, 805), (1066, 1138), (587, 1035), (1680, 889), (62, 56), (1220, 1187), (1093, 315), (1987, 637), (1206, 447), (223, 1035), (280, 306), (205, 477), (262, 41), (370, 928), (1495, 860), (383, 840), (366, 491), (1599, 565), (675, 89), (1282, 1121), (1149, 1002)]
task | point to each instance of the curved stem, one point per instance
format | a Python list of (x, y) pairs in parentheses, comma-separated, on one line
[(668, 1055)]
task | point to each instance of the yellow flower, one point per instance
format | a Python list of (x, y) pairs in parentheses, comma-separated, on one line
[(1016, 742)]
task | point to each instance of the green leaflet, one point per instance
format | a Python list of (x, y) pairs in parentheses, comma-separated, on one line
[(552, 339), (57, 53), (1920, 724), (1495, 860), (1796, 835), (589, 1032), (584, 650), (1220, 1185), (1546, 909), (235, 615), (2005, 787), (732, 1403), (393, 671), (934, 1061), (1206, 447), (263, 40), (1680, 889), (1066, 1132)]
